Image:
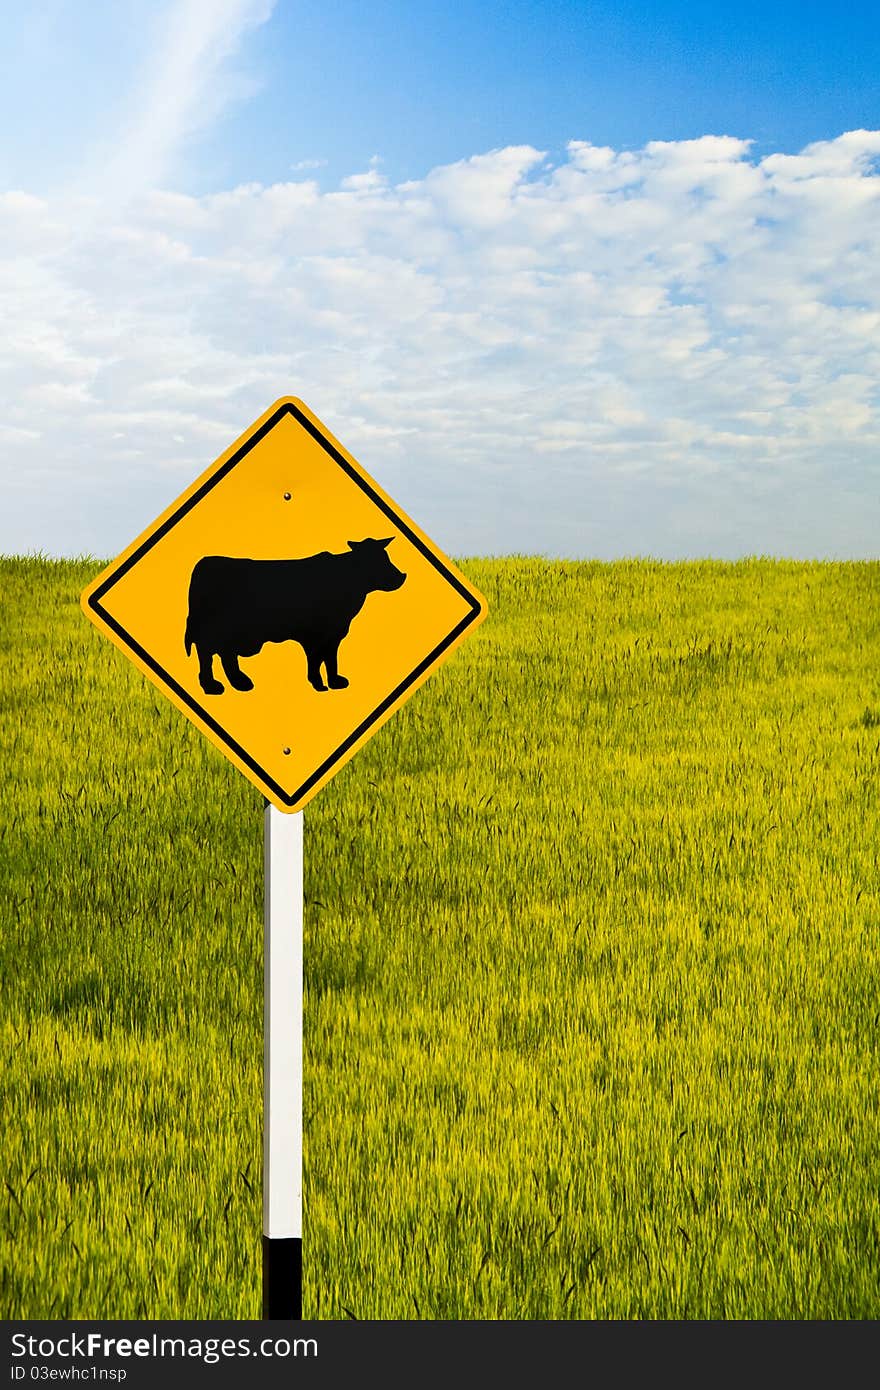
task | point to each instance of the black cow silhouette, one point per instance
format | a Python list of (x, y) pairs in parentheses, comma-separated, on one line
[(235, 605)]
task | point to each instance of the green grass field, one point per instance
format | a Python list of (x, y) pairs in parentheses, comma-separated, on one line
[(592, 967)]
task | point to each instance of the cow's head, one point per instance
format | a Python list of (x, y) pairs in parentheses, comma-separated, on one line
[(374, 564)]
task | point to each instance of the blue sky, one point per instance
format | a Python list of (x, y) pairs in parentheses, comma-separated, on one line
[(426, 83), (501, 248)]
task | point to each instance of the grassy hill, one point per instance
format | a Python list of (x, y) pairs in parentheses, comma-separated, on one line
[(592, 966)]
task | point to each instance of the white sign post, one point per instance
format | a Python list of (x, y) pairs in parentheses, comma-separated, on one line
[(282, 1063)]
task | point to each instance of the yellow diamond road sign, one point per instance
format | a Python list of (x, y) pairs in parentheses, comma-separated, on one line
[(285, 604)]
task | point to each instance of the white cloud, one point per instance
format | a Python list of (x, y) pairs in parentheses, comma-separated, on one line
[(184, 85), (671, 350)]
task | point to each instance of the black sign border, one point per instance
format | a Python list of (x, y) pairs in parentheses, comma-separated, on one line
[(94, 602)]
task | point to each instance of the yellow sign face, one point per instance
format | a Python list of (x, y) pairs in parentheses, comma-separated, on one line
[(285, 604)]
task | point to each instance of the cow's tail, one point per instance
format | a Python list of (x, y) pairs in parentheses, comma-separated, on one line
[(192, 605)]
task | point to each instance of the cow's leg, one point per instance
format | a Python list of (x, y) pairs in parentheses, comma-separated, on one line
[(234, 674), (313, 659), (206, 672), (334, 680)]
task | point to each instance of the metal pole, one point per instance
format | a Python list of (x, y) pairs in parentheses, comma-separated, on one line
[(282, 1064)]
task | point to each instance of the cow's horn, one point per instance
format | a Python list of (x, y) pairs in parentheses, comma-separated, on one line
[(387, 541)]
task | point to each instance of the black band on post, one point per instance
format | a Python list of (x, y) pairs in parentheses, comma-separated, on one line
[(282, 1277)]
